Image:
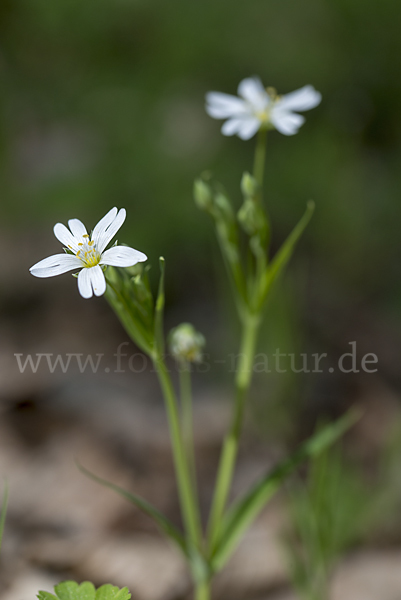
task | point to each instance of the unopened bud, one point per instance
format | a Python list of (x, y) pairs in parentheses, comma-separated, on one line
[(251, 217), (249, 185), (186, 343), (224, 205)]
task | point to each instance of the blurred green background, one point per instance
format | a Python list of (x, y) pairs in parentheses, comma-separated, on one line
[(103, 105)]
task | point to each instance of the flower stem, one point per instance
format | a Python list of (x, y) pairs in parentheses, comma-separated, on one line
[(202, 591), (187, 416), (188, 500), (260, 158), (230, 445)]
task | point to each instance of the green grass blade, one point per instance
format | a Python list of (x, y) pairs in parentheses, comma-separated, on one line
[(244, 511), (163, 523)]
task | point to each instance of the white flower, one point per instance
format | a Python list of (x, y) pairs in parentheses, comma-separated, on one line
[(89, 253), (258, 107)]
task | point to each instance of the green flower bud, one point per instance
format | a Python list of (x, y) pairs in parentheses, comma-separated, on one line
[(251, 217), (203, 195), (186, 343), (249, 185), (224, 206)]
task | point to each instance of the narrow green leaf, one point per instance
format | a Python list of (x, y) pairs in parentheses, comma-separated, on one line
[(46, 596), (163, 523), (282, 257), (244, 511), (3, 512), (159, 337)]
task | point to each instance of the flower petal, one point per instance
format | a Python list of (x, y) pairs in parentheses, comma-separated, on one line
[(286, 122), (122, 256), (248, 128), (303, 99), (77, 227), (223, 106), (84, 283), (98, 280), (232, 126), (252, 90), (65, 237), (110, 231), (91, 280), (103, 224), (55, 265)]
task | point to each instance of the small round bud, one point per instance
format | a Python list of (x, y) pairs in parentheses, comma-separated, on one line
[(186, 343), (203, 195)]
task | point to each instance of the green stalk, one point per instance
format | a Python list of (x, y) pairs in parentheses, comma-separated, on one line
[(260, 158), (250, 327), (189, 505), (230, 445), (202, 591), (187, 416)]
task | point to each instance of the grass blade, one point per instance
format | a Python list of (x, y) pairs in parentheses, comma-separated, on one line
[(163, 523), (244, 511)]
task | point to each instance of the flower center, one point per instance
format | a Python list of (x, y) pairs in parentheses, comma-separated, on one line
[(264, 115), (87, 253)]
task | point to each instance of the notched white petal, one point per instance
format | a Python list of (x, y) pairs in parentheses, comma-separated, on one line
[(55, 265), (303, 99), (84, 284), (103, 224), (122, 256), (97, 280), (65, 236), (252, 90), (223, 106), (77, 227), (248, 128), (110, 231), (286, 122), (232, 126)]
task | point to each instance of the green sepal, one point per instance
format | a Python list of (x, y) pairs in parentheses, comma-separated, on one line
[(243, 512), (162, 522), (121, 293), (280, 260)]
